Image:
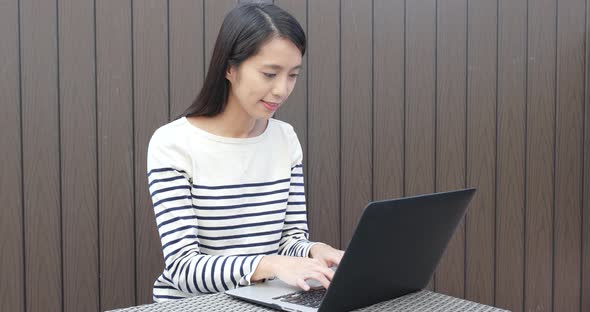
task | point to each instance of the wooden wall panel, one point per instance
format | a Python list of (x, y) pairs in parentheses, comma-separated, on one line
[(294, 110), (186, 54), (12, 295), (388, 98), (78, 155), (568, 155), (482, 40), (451, 131), (510, 175), (585, 276), (323, 163), (150, 111), (41, 156), (539, 155), (356, 113), (420, 99), (395, 98), (114, 94)]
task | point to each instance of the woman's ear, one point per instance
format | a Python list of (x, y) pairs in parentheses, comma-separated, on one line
[(230, 73)]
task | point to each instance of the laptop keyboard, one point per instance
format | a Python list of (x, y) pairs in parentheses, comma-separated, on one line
[(311, 298)]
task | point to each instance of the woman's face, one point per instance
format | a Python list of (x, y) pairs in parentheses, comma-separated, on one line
[(262, 83)]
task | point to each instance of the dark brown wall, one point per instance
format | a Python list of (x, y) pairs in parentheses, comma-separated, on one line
[(396, 98)]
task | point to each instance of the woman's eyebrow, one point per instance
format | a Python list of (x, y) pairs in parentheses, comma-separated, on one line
[(279, 67)]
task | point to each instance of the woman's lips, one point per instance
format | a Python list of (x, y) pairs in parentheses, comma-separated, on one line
[(270, 106)]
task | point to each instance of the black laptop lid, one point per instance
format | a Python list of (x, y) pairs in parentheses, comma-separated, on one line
[(395, 249)]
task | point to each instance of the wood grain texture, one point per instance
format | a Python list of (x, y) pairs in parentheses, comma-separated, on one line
[(510, 179), (323, 163), (585, 276), (481, 150), (41, 156), (388, 99), (78, 155), (150, 111), (540, 157), (356, 113), (186, 58), (115, 153), (12, 294), (420, 99), (451, 132), (569, 153)]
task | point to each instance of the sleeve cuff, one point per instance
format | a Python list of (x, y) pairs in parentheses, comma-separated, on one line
[(308, 249), (245, 280)]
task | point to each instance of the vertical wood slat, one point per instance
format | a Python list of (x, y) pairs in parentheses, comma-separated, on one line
[(450, 132), (510, 154), (11, 215), (294, 110), (388, 99), (481, 149), (186, 53), (356, 113), (585, 276), (78, 160), (115, 153), (41, 157), (540, 146), (323, 69), (420, 92), (150, 110), (569, 153)]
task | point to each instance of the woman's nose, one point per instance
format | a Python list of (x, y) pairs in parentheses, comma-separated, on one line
[(280, 89)]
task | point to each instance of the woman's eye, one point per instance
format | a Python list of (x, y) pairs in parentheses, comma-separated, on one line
[(269, 75), (294, 75)]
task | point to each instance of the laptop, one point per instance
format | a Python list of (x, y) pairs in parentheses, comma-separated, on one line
[(394, 251)]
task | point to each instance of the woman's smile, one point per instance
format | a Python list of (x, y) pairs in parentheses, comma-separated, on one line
[(270, 106)]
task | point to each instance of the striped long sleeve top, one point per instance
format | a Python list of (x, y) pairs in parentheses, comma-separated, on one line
[(222, 203)]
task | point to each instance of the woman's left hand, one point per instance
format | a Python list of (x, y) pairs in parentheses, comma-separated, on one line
[(326, 254)]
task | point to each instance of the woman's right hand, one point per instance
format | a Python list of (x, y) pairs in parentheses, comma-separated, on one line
[(294, 271)]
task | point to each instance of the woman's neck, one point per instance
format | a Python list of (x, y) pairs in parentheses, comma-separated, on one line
[(238, 124), (233, 122)]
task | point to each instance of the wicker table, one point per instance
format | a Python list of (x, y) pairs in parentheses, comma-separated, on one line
[(420, 301)]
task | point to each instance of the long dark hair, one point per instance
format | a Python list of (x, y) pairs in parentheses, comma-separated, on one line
[(244, 29)]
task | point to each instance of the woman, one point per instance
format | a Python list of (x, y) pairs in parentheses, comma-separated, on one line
[(226, 179)]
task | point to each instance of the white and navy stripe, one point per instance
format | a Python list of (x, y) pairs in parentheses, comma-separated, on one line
[(213, 236), (221, 204)]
